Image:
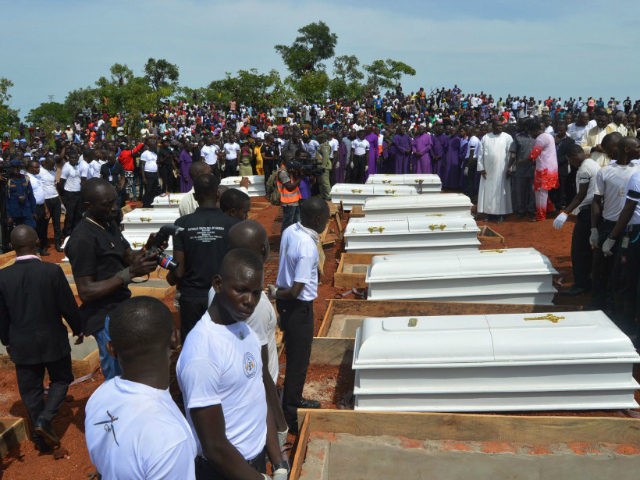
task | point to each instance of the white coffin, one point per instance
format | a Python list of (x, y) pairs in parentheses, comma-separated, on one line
[(564, 361), (518, 275), (149, 218), (138, 238), (169, 200), (419, 205), (411, 234), (427, 183), (256, 187), (351, 194)]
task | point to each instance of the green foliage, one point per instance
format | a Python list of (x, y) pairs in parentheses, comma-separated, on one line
[(312, 86), (386, 73), (314, 44), (49, 113), (346, 83), (9, 119), (160, 73), (249, 87)]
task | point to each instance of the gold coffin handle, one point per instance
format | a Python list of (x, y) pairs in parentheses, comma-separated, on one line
[(390, 191), (356, 190), (145, 219), (376, 229)]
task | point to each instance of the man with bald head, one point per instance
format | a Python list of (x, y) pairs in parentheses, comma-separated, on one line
[(103, 264), (33, 332)]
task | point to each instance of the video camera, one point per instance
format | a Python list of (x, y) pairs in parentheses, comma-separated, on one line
[(156, 246)]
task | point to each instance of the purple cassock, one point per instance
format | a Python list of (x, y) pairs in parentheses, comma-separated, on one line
[(372, 161), (344, 150), (402, 152), (451, 170), (185, 160), (422, 150), (440, 144)]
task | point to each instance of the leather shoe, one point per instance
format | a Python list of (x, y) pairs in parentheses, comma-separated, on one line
[(306, 403), (44, 430), (59, 248), (574, 291)]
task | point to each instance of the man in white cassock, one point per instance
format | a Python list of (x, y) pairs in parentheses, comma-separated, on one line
[(494, 195)]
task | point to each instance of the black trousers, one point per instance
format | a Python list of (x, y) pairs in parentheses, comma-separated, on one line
[(55, 210), (522, 195), (581, 256), (356, 174), (205, 470), (151, 189), (296, 321), (73, 206), (41, 225), (626, 275), (602, 270), (191, 310), (30, 384)]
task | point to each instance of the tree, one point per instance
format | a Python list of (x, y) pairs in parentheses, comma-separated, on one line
[(386, 73), (81, 98), (346, 83), (314, 44), (49, 113), (160, 73), (9, 119), (120, 74), (312, 86), (249, 87)]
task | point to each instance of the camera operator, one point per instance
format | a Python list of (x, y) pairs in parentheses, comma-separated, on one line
[(198, 250), (288, 183), (103, 265)]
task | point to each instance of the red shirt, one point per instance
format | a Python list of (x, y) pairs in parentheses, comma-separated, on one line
[(126, 157)]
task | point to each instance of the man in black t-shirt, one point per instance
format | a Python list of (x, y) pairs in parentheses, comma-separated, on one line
[(199, 250), (103, 264)]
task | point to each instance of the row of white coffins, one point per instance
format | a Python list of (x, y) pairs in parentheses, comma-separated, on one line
[(380, 185), (512, 362)]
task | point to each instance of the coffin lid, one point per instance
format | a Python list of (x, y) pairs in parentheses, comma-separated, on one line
[(508, 339), (404, 179), (474, 263), (234, 181), (427, 200), (172, 199), (394, 190), (151, 215), (410, 225), (351, 189)]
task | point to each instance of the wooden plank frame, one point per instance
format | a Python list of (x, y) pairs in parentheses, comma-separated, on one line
[(342, 279), (394, 308), (12, 432)]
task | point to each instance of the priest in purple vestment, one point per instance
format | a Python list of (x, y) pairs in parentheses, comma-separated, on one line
[(402, 150), (372, 160), (185, 160), (451, 171), (422, 150)]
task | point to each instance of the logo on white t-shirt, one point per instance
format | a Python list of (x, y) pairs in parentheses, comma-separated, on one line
[(109, 426), (250, 365)]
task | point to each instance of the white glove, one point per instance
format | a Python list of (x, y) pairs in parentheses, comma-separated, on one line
[(607, 246), (238, 168), (350, 164), (466, 171), (593, 238), (366, 168), (280, 474), (558, 223), (272, 289), (337, 165), (282, 438)]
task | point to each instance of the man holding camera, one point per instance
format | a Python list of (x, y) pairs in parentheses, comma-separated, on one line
[(103, 265), (198, 251), (288, 183)]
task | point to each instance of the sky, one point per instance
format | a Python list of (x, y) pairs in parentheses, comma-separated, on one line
[(536, 48)]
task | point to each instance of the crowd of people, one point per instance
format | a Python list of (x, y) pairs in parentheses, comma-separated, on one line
[(515, 156)]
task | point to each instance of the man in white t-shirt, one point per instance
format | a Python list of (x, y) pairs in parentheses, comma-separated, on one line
[(209, 152), (360, 147), (231, 151), (133, 429), (608, 201), (47, 176), (149, 174), (251, 235), (296, 289), (33, 169), (220, 374), (627, 231), (69, 187), (581, 258)]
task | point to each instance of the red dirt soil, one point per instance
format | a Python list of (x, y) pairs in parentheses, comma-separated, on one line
[(26, 463)]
